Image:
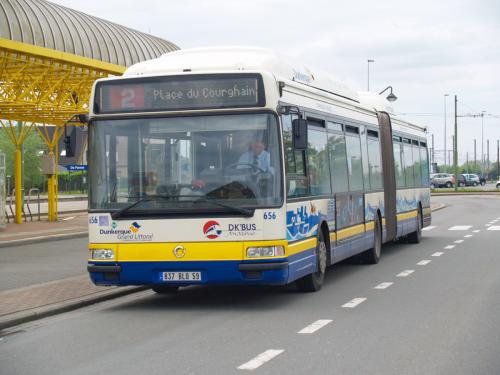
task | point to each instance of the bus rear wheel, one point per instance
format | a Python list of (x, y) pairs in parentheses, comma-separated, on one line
[(314, 281), (416, 237), (165, 289), (372, 256)]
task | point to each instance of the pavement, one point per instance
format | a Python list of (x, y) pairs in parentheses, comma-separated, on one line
[(40, 277), (430, 308)]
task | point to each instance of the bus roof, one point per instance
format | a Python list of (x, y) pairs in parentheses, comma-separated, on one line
[(230, 59), (239, 58)]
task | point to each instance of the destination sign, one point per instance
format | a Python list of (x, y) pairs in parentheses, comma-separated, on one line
[(179, 93)]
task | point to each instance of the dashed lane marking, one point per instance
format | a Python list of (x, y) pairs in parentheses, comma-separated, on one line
[(487, 225), (69, 218), (494, 227), (476, 231), (383, 285), (423, 262), (318, 324), (437, 254), (429, 227), (449, 247), (459, 241), (468, 236), (261, 359), (353, 303), (405, 273), (460, 227)]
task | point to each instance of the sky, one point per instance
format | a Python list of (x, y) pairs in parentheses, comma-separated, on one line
[(424, 49)]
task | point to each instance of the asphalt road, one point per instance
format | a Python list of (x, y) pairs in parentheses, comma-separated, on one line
[(443, 318)]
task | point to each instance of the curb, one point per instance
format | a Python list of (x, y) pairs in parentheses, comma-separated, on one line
[(66, 306), (47, 238), (440, 206)]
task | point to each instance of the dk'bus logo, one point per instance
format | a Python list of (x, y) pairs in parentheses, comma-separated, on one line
[(211, 229)]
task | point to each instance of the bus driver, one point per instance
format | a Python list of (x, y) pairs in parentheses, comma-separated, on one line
[(257, 156)]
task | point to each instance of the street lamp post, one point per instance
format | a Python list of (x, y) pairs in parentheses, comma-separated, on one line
[(368, 63), (482, 143), (445, 95)]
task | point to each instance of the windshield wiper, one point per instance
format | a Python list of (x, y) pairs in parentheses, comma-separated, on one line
[(115, 215), (148, 198), (244, 211)]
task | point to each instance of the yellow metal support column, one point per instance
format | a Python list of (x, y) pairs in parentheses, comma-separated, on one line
[(19, 184), (17, 134), (51, 143)]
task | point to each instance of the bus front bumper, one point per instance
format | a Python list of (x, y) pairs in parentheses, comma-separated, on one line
[(267, 272)]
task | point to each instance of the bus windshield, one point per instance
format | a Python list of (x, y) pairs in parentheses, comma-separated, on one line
[(185, 164)]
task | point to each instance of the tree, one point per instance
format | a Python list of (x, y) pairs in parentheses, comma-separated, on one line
[(33, 147)]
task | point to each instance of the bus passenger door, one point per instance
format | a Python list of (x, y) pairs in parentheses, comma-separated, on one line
[(384, 122)]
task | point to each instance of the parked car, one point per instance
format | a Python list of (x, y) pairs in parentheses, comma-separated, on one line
[(442, 180), (498, 184), (468, 179)]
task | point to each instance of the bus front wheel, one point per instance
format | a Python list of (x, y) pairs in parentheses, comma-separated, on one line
[(314, 281)]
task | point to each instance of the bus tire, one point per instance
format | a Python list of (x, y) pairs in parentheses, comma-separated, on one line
[(416, 237), (314, 281), (165, 289), (372, 256)]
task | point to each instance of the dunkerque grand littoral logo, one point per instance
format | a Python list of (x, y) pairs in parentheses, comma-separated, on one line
[(135, 227), (211, 229)]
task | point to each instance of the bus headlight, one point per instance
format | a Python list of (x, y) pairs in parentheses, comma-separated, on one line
[(265, 251), (103, 254)]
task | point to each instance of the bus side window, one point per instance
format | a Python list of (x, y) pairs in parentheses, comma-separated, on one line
[(318, 171), (297, 184)]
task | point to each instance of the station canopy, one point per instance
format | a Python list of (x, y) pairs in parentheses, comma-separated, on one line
[(50, 56)]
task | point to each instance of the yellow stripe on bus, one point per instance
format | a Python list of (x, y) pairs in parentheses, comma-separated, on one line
[(300, 246), (351, 231), (369, 226), (407, 215)]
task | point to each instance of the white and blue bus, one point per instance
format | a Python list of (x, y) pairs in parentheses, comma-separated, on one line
[(237, 166)]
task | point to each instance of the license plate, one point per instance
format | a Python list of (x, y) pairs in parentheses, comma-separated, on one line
[(182, 276)]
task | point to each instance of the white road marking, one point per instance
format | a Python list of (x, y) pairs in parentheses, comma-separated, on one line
[(405, 273), (423, 262), (449, 247), (429, 227), (476, 231), (487, 225), (311, 328), (468, 236), (460, 227), (494, 227), (459, 241), (353, 303), (69, 218), (437, 254), (260, 359), (383, 285)]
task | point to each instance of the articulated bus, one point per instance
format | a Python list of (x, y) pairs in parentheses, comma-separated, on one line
[(238, 166)]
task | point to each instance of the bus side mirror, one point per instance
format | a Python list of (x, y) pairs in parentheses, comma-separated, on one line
[(69, 142), (299, 130)]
